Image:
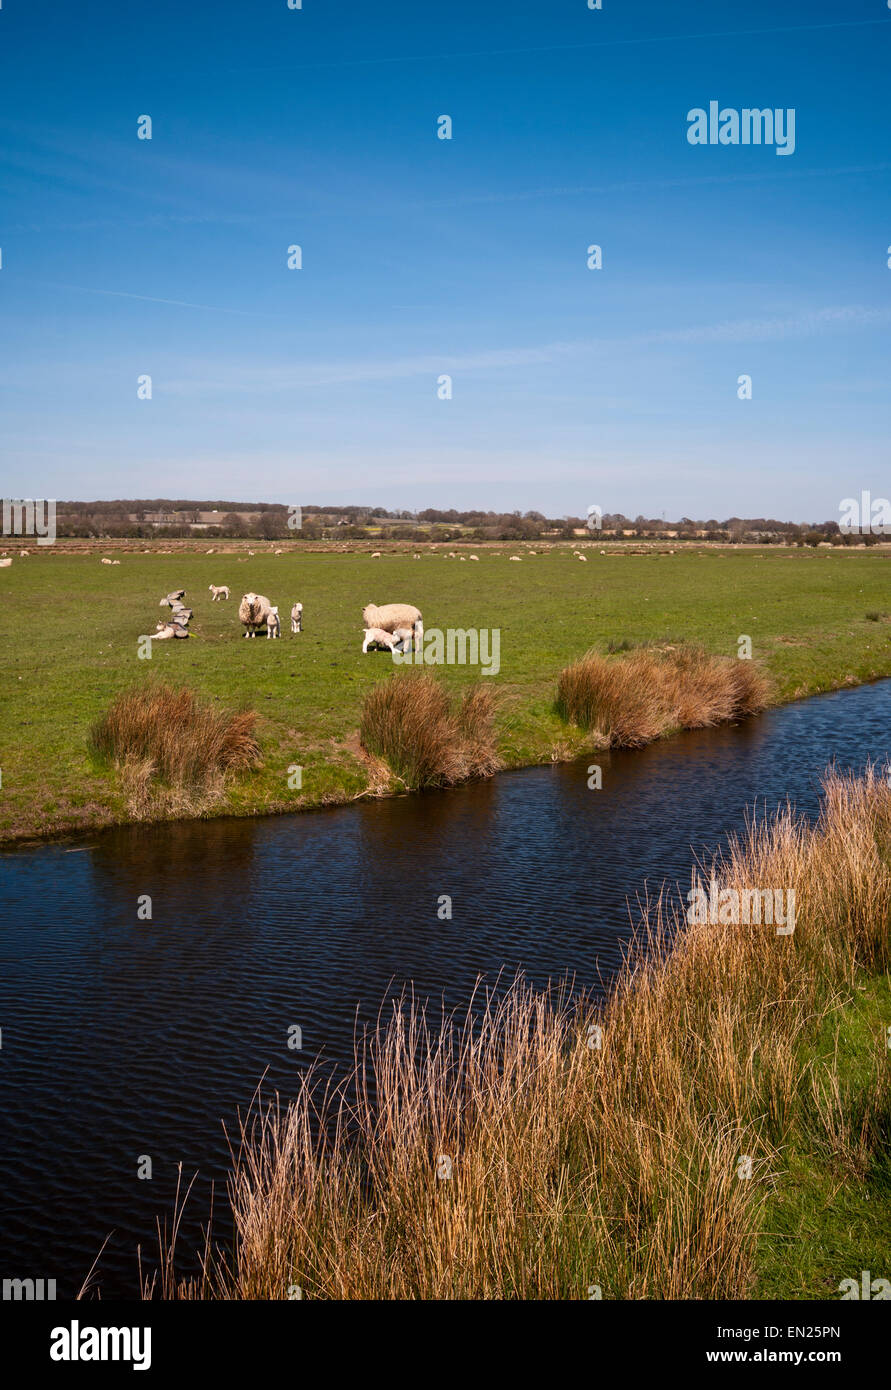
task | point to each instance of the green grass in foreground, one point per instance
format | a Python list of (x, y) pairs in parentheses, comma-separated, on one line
[(828, 1219), (69, 627)]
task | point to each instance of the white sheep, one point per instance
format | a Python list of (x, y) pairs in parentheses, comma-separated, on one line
[(404, 637), (218, 591), (103, 561), (252, 612), (583, 558), (393, 615), (376, 637), (4, 564), (518, 558), (375, 555), (115, 562), (297, 618), (474, 557), (273, 624)]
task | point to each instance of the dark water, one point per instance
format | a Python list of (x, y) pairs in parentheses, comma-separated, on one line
[(123, 1037)]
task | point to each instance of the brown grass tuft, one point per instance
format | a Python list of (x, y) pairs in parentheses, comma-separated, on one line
[(174, 751), (410, 721), (640, 697)]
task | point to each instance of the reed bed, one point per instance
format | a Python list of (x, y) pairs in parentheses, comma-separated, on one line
[(637, 698), (546, 1146), (428, 739), (173, 750)]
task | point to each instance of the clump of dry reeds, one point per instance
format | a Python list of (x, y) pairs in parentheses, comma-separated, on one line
[(428, 739), (173, 750), (637, 698), (543, 1146)]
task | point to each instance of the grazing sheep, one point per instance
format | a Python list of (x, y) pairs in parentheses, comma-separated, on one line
[(583, 558), (297, 618), (253, 611), (115, 562), (273, 624), (279, 552), (24, 552), (393, 615), (103, 561), (4, 564), (518, 558), (375, 555), (417, 557), (218, 591), (474, 557), (172, 598), (376, 637)]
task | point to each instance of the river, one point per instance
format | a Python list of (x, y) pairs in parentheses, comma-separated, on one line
[(124, 1036)]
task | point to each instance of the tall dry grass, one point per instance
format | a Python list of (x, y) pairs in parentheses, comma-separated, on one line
[(428, 739), (637, 698), (173, 750), (542, 1147)]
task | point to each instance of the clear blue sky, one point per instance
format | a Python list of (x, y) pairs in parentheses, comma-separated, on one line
[(318, 126)]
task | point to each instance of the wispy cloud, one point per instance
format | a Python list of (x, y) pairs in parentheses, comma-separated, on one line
[(274, 377)]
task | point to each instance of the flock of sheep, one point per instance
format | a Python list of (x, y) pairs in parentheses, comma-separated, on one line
[(393, 626)]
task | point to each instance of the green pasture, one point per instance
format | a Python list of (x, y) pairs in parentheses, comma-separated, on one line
[(70, 629)]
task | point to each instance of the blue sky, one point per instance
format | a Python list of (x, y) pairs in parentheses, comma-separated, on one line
[(421, 256)]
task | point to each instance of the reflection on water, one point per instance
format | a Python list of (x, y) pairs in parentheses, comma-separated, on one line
[(124, 1037)]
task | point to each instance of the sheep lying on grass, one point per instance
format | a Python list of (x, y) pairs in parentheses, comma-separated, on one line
[(389, 616), (218, 591), (273, 624), (297, 618), (165, 630), (253, 612), (376, 637)]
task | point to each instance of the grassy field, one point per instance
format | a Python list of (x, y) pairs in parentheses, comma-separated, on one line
[(70, 629)]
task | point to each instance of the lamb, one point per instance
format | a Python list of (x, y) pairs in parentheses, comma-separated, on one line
[(393, 615), (297, 618), (218, 591), (273, 624), (474, 557), (115, 562), (517, 557), (403, 636), (253, 611), (375, 555), (165, 630), (103, 561), (376, 637)]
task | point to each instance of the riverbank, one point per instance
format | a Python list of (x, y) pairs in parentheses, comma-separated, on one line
[(817, 621), (718, 1128)]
